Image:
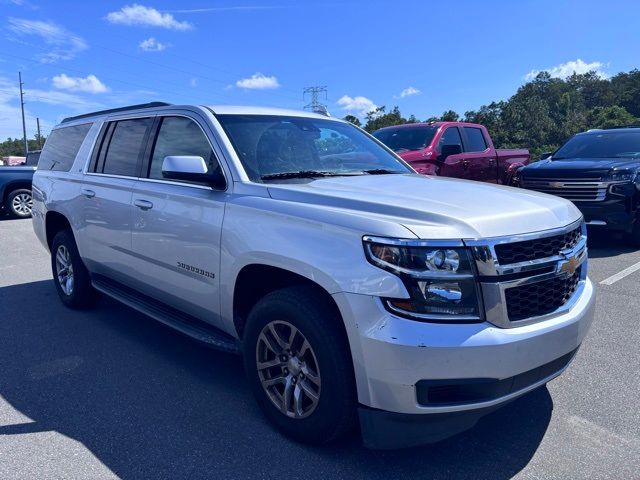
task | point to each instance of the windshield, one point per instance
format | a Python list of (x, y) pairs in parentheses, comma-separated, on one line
[(271, 145), (601, 145), (407, 138)]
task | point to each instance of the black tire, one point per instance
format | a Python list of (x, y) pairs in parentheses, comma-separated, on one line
[(19, 203), (81, 294), (316, 318)]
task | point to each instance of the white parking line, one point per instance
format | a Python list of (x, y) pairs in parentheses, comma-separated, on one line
[(620, 275)]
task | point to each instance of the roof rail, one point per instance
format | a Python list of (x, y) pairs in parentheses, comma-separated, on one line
[(623, 126), (116, 110)]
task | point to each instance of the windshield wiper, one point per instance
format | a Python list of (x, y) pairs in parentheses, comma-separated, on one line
[(304, 174), (382, 171)]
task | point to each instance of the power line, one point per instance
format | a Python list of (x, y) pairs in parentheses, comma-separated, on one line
[(315, 105)]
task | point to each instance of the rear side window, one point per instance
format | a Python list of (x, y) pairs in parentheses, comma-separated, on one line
[(124, 150), (61, 147), (180, 136), (475, 140)]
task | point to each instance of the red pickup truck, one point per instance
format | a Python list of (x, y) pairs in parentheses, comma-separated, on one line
[(453, 149)]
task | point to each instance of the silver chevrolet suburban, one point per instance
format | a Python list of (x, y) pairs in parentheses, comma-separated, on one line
[(357, 291)]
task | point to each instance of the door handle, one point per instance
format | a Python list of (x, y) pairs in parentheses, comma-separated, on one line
[(465, 163), (88, 193), (143, 204)]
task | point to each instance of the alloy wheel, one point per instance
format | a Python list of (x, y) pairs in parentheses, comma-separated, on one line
[(288, 369), (64, 269), (22, 204)]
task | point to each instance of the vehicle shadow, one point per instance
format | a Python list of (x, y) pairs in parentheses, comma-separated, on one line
[(150, 403), (602, 244)]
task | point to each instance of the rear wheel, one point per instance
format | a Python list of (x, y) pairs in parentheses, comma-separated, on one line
[(70, 276), (299, 366), (20, 203)]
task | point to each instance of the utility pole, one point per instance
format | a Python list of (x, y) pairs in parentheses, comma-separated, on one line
[(24, 126), (39, 135), (315, 105)]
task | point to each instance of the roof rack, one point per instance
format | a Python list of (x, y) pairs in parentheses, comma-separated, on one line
[(623, 126), (116, 110)]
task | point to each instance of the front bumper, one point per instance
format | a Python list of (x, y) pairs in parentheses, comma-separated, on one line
[(392, 355), (614, 213)]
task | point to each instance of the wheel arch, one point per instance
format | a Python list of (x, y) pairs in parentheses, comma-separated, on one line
[(256, 280), (13, 186), (54, 223)]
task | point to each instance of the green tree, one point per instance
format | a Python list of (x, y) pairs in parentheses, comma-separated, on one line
[(450, 116), (353, 119), (380, 118), (603, 117)]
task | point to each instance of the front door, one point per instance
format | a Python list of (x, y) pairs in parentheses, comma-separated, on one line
[(454, 165), (483, 163), (177, 225)]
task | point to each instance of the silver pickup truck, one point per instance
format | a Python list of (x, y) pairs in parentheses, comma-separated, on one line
[(357, 291)]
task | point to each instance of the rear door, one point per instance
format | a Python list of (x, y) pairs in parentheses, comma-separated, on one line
[(480, 157), (177, 225), (107, 190), (453, 165)]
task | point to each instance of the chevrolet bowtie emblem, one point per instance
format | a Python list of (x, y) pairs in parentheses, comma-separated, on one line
[(570, 266)]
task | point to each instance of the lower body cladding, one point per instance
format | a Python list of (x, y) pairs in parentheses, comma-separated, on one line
[(423, 382)]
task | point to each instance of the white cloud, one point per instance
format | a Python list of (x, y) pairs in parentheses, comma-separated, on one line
[(565, 70), (146, 16), (358, 105), (64, 45), (258, 81), (407, 92), (152, 45), (88, 84), (193, 82)]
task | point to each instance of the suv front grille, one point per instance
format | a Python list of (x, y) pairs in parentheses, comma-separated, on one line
[(517, 252), (540, 298), (576, 190)]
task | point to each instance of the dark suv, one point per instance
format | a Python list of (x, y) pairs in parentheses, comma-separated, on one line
[(598, 170)]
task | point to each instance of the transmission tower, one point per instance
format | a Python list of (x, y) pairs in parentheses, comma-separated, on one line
[(314, 93)]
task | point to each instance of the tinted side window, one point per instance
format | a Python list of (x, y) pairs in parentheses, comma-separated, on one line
[(475, 140), (61, 147), (180, 136), (451, 136), (124, 150)]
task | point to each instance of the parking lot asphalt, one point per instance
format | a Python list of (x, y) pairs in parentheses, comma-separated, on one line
[(111, 393)]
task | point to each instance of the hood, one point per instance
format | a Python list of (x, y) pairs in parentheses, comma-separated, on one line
[(577, 167), (435, 207)]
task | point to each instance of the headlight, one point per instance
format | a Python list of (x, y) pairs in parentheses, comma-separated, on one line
[(621, 177), (440, 279)]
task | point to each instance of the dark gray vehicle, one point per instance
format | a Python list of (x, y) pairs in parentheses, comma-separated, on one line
[(15, 190)]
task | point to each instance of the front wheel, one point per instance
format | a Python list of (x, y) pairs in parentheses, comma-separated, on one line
[(20, 203), (299, 366)]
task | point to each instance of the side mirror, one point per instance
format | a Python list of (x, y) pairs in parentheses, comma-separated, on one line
[(450, 149), (191, 169), (545, 155)]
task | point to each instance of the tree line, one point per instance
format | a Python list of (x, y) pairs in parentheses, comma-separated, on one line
[(15, 146), (544, 112)]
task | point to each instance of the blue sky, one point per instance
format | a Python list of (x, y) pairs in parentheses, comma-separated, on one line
[(426, 57)]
